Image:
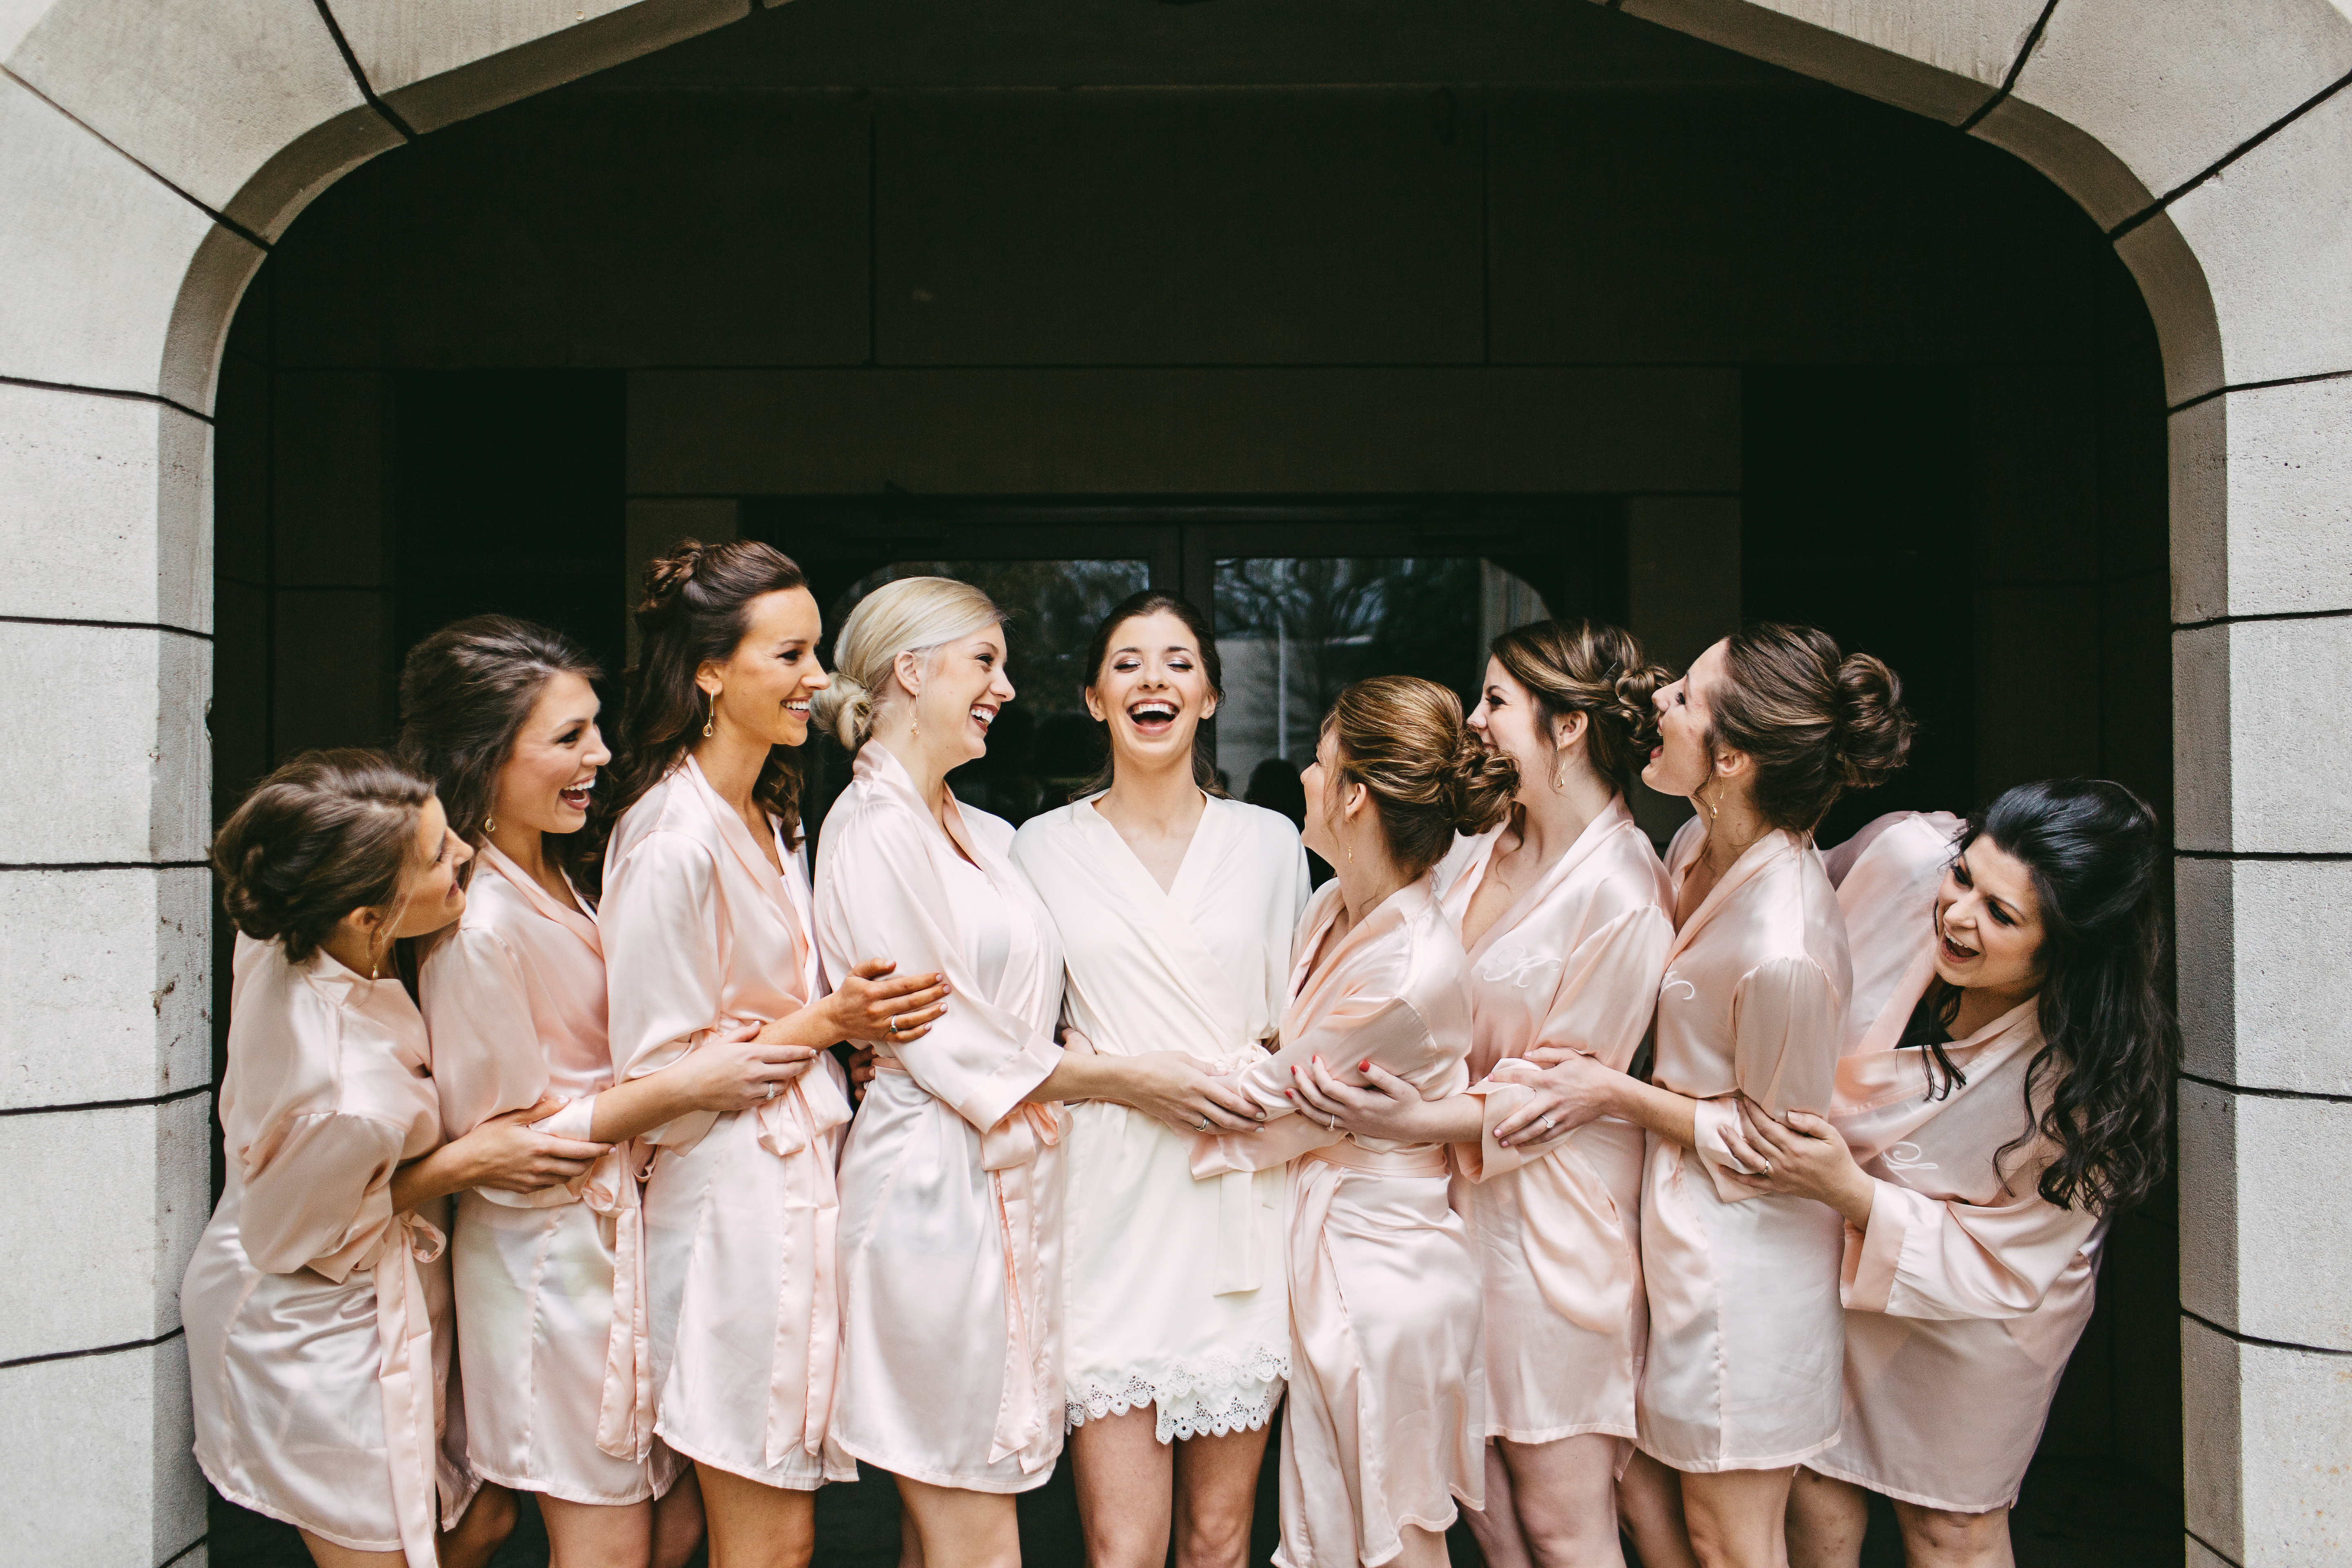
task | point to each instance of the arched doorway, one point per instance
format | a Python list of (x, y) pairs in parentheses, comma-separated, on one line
[(1657, 332)]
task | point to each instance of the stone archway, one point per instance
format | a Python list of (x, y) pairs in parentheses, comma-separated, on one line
[(155, 154)]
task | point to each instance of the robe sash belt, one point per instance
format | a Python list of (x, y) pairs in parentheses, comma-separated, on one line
[(795, 1124), (1240, 1240), (615, 1190), (1008, 1153), (1425, 1160), (404, 1381)]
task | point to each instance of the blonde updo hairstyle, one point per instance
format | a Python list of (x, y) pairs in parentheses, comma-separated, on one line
[(913, 614), (1584, 667), (1403, 740)]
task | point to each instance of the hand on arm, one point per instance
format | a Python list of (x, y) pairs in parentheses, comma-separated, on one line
[(504, 1153), (1386, 1106), (1804, 1157), (1167, 1086)]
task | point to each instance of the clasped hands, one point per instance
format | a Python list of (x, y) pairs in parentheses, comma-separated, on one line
[(1799, 1155)]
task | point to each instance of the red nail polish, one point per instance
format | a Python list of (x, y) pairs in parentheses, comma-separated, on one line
[(1364, 1065)]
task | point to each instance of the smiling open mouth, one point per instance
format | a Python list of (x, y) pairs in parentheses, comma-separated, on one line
[(576, 796), (1953, 951), (1154, 715), (797, 706), (983, 715)]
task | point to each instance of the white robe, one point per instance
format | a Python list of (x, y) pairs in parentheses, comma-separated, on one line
[(1173, 1293), (951, 1183)]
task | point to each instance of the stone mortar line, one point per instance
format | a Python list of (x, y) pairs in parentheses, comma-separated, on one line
[(2270, 1094), (103, 392), (94, 1350), (352, 62), (2289, 855), (2208, 1546), (183, 1551), (106, 1104), (108, 626), (2257, 386), (221, 219), (106, 866), (2262, 616), (2016, 68), (2231, 156), (2241, 1339)]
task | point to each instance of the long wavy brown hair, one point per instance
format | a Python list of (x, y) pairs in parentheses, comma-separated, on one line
[(695, 607)]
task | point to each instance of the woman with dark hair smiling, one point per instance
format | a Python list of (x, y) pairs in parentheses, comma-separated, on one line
[(2010, 1099), (317, 1301), (1175, 907), (722, 1016)]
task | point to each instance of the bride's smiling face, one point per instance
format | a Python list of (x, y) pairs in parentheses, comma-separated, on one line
[(1152, 689)]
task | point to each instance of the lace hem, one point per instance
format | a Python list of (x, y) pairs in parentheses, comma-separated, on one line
[(1226, 1395)]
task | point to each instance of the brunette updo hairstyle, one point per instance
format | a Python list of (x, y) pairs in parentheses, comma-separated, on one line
[(327, 833), (2096, 853), (1816, 720), (1154, 601), (912, 614), (1403, 740), (465, 694), (1583, 667), (695, 609)]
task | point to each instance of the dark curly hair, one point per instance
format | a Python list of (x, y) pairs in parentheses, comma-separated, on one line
[(1816, 720), (464, 693), (2101, 1086), (1403, 740), (696, 607), (327, 833), (1584, 667)]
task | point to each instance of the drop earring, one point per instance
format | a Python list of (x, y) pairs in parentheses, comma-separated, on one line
[(489, 824), (712, 722)]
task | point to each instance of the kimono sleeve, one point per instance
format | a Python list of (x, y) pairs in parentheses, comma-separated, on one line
[(664, 939), (486, 1059), (1386, 1030), (1927, 1257), (881, 899), (1608, 990), (1787, 1020), (320, 1196)]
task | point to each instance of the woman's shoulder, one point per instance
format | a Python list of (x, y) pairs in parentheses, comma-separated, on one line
[(1051, 826)]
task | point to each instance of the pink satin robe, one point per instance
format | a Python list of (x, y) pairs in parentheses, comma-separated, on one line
[(704, 937), (549, 1284), (1386, 1423), (318, 1320), (1887, 876), (1174, 1288), (1967, 1292), (951, 1184), (1747, 1333), (1574, 961)]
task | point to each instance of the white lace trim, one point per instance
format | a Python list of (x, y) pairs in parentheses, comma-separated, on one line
[(1226, 1395)]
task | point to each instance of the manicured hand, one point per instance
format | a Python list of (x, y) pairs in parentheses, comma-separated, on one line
[(1803, 1156), (1571, 1090), (505, 1153)]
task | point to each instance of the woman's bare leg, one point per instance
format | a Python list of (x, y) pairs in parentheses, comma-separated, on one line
[(1738, 1519), (1123, 1474), (1564, 1500), (1216, 1498), (753, 1525), (1827, 1520), (1936, 1538), (677, 1522), (597, 1535), (481, 1530), (1497, 1528), (957, 1529), (1423, 1547), (1649, 1506)]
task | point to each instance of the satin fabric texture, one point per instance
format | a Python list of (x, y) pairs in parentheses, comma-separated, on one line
[(550, 1285), (1386, 1423), (1746, 1331), (1573, 961), (705, 938), (1968, 1292), (950, 1249), (319, 1322), (1174, 1296)]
